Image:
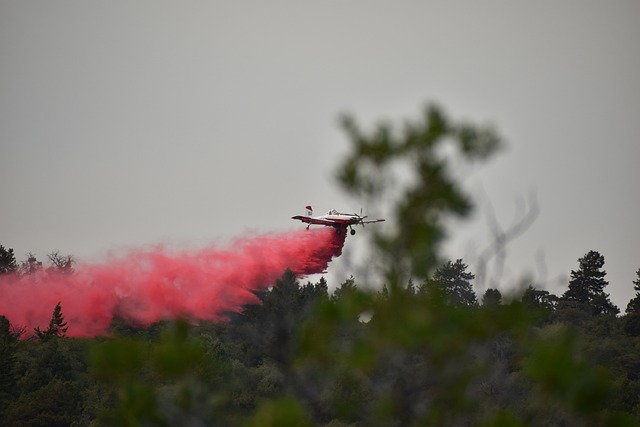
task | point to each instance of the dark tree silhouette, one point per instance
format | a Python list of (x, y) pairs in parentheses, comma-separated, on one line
[(7, 261), (538, 298), (61, 263), (634, 304), (454, 281), (492, 297), (311, 294), (632, 321), (30, 266), (347, 287), (57, 326), (586, 287), (8, 361)]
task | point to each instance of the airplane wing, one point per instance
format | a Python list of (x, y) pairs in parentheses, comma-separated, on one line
[(372, 221), (317, 221)]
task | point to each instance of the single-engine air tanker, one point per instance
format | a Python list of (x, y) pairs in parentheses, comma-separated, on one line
[(338, 220)]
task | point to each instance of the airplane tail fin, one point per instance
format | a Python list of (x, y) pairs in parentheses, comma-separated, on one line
[(309, 210)]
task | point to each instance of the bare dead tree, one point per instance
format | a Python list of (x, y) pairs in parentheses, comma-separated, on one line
[(17, 331), (31, 266), (61, 263)]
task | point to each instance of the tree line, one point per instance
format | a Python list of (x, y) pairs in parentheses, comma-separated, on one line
[(427, 354), (58, 263)]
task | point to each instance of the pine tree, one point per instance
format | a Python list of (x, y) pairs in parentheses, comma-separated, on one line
[(57, 326), (7, 261), (634, 304), (346, 288), (632, 321), (384, 292), (8, 362), (539, 298), (310, 294), (586, 287), (492, 297), (453, 279)]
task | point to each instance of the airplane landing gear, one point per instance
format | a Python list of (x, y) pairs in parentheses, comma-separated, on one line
[(353, 231)]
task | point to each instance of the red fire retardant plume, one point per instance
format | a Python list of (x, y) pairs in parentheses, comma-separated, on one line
[(147, 286)]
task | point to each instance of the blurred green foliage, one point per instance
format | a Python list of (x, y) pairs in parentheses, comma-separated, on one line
[(373, 170)]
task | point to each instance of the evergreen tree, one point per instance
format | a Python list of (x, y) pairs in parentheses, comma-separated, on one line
[(267, 329), (284, 296), (57, 326), (586, 287), (533, 297), (311, 294), (492, 297), (347, 287), (7, 261), (453, 279), (634, 304), (8, 363), (632, 321), (384, 292)]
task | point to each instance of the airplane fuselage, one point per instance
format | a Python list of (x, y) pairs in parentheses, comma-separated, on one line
[(340, 221)]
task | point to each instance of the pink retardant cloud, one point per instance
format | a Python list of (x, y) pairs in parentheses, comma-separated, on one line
[(144, 287)]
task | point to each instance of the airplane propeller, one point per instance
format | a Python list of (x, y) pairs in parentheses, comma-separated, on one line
[(362, 218)]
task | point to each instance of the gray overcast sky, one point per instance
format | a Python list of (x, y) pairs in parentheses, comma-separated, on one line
[(132, 123)]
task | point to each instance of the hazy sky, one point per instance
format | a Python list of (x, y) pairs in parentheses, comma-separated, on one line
[(130, 123)]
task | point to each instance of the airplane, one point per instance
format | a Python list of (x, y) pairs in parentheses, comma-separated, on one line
[(340, 221)]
